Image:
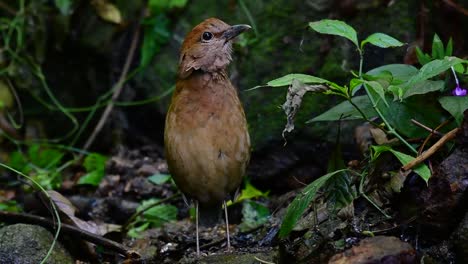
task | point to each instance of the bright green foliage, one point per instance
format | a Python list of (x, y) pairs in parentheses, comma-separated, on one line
[(153, 217), (253, 215), (335, 27), (95, 165), (249, 192), (10, 206)]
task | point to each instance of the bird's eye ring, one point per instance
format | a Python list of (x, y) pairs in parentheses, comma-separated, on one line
[(207, 36)]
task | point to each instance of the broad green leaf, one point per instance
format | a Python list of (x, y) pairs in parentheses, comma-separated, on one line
[(460, 68), (382, 40), (422, 57), (422, 169), (400, 72), (44, 158), (159, 178), (335, 27), (253, 215), (158, 214), (434, 68), (346, 111), (437, 48), (301, 202), (455, 105), (423, 87), (338, 190), (287, 80)]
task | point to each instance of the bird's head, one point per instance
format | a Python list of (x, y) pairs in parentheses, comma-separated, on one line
[(208, 47)]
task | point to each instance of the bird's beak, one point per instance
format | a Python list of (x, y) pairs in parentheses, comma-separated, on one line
[(234, 31)]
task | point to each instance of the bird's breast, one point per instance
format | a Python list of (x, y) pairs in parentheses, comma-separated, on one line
[(206, 138)]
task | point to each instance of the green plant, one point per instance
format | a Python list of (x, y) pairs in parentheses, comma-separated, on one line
[(394, 94)]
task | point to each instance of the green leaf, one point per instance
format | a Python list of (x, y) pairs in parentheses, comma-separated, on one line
[(434, 68), (400, 72), (92, 178), (65, 6), (157, 6), (135, 232), (158, 214), (253, 215), (422, 57), (95, 161), (449, 48), (339, 191), (382, 40), (156, 34), (159, 178), (346, 111), (287, 80), (95, 165), (422, 169), (335, 27), (301, 202), (423, 87), (377, 88), (455, 105), (437, 48), (250, 192), (43, 157), (9, 206)]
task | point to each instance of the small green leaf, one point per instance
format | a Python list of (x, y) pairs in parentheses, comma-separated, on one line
[(287, 80), (95, 165), (455, 105), (335, 27), (250, 192), (158, 214), (382, 40), (301, 202), (449, 48), (156, 34), (92, 178), (159, 178), (437, 48), (422, 169), (422, 57)]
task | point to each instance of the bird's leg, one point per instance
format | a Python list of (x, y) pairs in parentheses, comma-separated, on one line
[(196, 227), (227, 226)]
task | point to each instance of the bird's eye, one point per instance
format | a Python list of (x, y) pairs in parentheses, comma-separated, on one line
[(207, 36)]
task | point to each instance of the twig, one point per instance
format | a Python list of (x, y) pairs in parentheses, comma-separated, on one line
[(432, 131), (118, 89), (426, 154), (456, 6), (12, 218)]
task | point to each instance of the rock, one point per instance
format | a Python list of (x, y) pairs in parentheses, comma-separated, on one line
[(28, 244), (379, 249), (459, 240)]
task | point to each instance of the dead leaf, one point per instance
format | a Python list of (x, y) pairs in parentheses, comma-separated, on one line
[(107, 11), (296, 92)]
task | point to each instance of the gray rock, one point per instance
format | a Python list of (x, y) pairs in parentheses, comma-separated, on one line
[(28, 244)]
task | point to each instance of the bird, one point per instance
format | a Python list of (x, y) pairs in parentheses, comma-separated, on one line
[(206, 138)]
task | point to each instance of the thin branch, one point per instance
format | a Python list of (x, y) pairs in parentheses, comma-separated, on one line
[(432, 131), (118, 89), (425, 155), (13, 218)]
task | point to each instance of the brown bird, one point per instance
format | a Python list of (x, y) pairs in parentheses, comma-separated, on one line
[(206, 139)]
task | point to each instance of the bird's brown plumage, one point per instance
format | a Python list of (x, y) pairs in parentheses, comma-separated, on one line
[(206, 138)]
